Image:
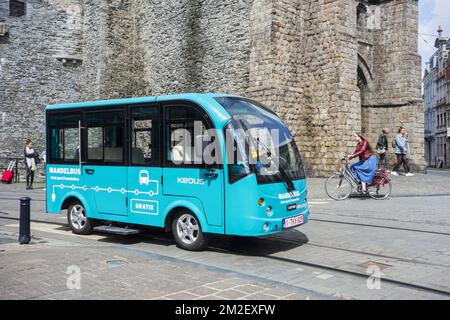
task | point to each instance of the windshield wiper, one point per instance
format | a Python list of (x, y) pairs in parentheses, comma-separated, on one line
[(284, 176)]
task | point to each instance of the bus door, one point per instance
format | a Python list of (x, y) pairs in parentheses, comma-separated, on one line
[(185, 172), (105, 172), (144, 172), (63, 156)]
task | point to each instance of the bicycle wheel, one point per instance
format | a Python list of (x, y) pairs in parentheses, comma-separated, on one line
[(338, 186), (382, 190)]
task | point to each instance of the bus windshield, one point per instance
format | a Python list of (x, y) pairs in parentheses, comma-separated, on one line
[(269, 150)]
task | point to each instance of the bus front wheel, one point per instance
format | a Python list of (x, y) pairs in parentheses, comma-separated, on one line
[(77, 219), (187, 232)]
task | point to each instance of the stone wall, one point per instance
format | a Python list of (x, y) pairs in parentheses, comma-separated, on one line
[(328, 111), (409, 116), (198, 46), (113, 54), (299, 57), (39, 65), (396, 63)]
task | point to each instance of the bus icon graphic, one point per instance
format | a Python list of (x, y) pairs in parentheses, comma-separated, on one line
[(144, 177)]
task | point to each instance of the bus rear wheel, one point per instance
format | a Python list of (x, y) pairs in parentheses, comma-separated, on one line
[(187, 232), (77, 219)]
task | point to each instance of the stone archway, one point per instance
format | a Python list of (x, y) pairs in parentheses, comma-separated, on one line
[(365, 80), (365, 85)]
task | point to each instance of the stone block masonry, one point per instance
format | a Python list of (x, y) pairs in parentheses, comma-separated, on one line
[(40, 64), (315, 62)]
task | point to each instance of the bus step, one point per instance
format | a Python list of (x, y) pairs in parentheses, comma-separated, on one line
[(118, 230)]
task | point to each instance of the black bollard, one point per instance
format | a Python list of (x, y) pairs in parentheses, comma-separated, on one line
[(24, 230)]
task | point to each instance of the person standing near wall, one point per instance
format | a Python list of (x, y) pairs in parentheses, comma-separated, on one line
[(31, 159), (383, 149)]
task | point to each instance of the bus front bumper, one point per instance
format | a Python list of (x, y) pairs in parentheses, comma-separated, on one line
[(263, 226)]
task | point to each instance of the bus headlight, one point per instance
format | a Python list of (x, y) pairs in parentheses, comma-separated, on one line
[(265, 227), (261, 202), (269, 211)]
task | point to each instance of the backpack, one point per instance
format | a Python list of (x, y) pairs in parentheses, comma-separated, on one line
[(394, 144)]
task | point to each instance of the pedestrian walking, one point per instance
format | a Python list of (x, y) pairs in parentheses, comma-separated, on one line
[(383, 149), (408, 157), (31, 159), (401, 149), (365, 169)]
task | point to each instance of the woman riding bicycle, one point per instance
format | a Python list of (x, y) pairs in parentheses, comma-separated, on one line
[(365, 169)]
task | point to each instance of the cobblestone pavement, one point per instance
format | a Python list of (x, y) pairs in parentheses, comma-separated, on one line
[(405, 238), (44, 270)]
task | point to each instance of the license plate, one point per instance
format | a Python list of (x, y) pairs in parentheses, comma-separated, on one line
[(292, 222)]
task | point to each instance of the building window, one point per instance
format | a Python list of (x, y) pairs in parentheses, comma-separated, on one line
[(17, 8), (361, 16)]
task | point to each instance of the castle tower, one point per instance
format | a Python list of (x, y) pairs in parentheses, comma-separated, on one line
[(389, 74)]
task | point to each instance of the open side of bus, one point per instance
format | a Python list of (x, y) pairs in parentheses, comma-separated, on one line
[(119, 161)]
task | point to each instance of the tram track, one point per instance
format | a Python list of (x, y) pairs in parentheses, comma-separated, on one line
[(295, 242), (400, 283), (414, 261), (381, 226), (18, 199), (298, 262)]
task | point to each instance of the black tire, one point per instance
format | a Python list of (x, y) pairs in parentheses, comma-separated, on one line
[(77, 219), (338, 186), (187, 232)]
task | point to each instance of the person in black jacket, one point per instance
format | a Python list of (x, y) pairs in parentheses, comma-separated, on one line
[(31, 159), (382, 149)]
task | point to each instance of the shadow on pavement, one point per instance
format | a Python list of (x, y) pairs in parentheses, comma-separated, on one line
[(259, 246), (248, 246)]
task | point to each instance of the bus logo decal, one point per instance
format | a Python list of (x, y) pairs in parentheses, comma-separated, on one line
[(184, 180), (144, 177)]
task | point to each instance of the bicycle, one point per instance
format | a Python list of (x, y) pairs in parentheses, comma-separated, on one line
[(339, 186)]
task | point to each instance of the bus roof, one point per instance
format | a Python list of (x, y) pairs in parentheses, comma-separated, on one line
[(206, 100), (195, 97)]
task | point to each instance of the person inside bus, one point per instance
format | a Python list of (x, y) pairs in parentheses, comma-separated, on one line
[(365, 169), (181, 151)]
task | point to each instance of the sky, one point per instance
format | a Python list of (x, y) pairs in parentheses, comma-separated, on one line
[(432, 14)]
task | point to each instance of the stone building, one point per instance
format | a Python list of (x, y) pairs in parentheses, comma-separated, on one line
[(328, 67), (436, 84)]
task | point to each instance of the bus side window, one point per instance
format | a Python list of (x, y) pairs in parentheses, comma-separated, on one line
[(145, 135), (183, 123), (63, 136), (105, 136)]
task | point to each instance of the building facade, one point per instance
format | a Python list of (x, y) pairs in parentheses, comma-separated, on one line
[(436, 85), (328, 68)]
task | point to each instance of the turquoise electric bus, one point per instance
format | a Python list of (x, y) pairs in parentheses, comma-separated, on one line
[(193, 164)]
